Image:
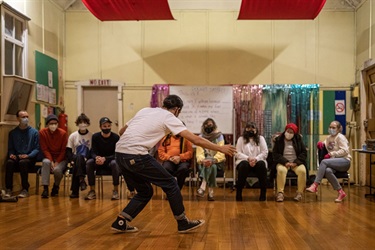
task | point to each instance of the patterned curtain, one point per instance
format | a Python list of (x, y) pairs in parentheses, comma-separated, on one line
[(159, 92), (273, 106)]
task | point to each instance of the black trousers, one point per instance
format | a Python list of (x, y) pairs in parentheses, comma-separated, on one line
[(23, 166), (79, 170), (259, 169)]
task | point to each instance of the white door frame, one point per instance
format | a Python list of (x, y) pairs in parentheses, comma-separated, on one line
[(97, 83)]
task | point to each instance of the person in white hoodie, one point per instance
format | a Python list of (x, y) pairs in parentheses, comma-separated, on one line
[(251, 156), (335, 156)]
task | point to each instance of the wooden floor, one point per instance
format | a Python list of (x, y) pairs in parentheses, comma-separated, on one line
[(64, 223)]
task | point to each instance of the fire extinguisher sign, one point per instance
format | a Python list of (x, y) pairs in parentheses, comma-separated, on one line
[(339, 107)]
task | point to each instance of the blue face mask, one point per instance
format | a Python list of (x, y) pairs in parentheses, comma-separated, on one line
[(332, 131)]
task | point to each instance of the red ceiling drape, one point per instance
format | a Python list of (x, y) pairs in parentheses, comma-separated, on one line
[(117, 10), (280, 9)]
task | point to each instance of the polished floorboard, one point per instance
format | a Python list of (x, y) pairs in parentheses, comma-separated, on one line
[(64, 223)]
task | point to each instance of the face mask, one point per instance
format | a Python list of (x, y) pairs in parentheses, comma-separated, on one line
[(106, 131), (249, 133), (82, 126), (208, 130), (288, 135), (25, 121), (332, 131), (52, 127)]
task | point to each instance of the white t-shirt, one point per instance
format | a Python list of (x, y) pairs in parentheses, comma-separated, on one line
[(80, 144), (146, 129)]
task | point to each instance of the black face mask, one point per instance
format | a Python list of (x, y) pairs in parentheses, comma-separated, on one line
[(208, 130), (106, 131), (249, 134)]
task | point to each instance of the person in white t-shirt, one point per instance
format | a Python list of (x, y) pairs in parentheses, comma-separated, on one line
[(141, 169), (77, 152)]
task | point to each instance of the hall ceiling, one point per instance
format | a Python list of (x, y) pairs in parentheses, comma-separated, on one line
[(344, 5)]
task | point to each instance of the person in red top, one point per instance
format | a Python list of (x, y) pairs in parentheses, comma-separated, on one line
[(176, 153), (53, 142)]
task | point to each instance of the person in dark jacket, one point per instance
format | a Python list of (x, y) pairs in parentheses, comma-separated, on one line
[(103, 157), (289, 152), (23, 149)]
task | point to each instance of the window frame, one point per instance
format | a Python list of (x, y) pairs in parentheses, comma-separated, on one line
[(19, 61)]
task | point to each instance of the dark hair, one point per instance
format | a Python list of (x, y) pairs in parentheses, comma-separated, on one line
[(256, 137), (82, 118), (209, 120), (173, 101)]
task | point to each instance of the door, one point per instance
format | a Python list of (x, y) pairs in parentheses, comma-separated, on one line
[(98, 102)]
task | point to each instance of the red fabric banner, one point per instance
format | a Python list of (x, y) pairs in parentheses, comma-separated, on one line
[(280, 9), (119, 10)]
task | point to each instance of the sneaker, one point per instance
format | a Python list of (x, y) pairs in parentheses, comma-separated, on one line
[(200, 192), (341, 196), (298, 197), (45, 193), (91, 195), (186, 225), (55, 191), (23, 194), (210, 196), (115, 195), (312, 189), (83, 185), (280, 197), (121, 226), (8, 193), (131, 195), (74, 196)]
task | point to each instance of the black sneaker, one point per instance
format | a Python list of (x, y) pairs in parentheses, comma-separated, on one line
[(83, 185), (186, 225), (55, 191), (45, 193), (121, 226), (73, 196)]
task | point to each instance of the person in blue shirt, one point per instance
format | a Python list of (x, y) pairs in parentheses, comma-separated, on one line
[(23, 149)]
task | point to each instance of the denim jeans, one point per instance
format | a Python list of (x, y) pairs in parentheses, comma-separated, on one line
[(142, 170)]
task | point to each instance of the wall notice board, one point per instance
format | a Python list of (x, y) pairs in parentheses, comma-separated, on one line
[(202, 102)]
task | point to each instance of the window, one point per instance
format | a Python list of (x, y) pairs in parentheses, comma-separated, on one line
[(14, 35)]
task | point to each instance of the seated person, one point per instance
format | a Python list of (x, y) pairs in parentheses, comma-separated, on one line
[(289, 152), (103, 157), (176, 153), (77, 152), (251, 156), (53, 142), (209, 161), (23, 148), (336, 158)]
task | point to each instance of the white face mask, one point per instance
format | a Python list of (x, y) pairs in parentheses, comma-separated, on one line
[(83, 126), (332, 131), (25, 121), (52, 127), (288, 135)]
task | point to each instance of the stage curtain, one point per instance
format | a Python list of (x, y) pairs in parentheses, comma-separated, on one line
[(280, 9), (119, 10)]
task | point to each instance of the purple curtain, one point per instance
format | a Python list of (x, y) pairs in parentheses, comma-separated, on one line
[(159, 92)]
